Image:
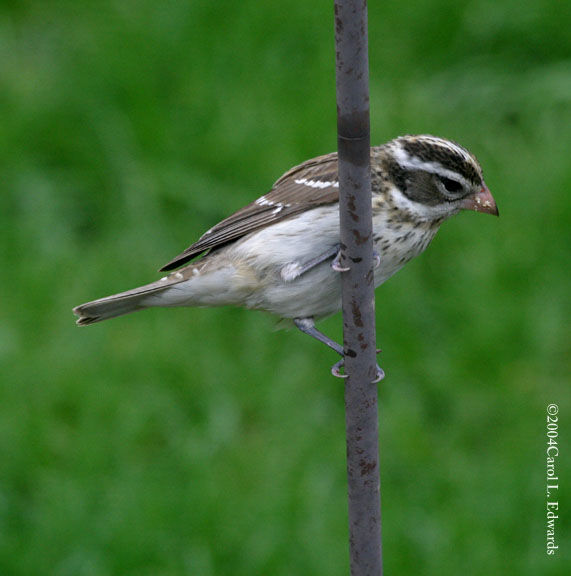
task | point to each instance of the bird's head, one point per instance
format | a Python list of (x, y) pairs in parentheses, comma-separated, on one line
[(435, 178)]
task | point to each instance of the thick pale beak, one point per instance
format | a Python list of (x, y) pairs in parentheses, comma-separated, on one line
[(483, 201)]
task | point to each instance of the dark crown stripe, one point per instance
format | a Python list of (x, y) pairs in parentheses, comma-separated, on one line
[(455, 160)]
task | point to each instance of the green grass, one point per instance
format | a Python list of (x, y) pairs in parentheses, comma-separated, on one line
[(201, 441)]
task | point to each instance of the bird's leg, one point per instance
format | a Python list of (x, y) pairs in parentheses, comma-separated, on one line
[(294, 270), (307, 326)]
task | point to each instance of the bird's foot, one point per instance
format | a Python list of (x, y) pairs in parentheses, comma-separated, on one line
[(336, 371), (307, 326), (336, 264)]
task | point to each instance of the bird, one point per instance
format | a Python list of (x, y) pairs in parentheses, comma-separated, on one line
[(281, 252)]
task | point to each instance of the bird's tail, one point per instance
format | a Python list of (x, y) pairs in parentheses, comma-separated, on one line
[(191, 286), (119, 304)]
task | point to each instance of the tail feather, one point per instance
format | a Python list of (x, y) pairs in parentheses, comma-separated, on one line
[(118, 304), (186, 287)]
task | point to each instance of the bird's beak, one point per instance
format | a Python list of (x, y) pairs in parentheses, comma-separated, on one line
[(483, 201)]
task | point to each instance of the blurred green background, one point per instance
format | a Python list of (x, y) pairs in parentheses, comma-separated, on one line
[(204, 442)]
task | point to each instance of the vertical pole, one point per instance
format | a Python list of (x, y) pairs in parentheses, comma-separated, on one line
[(352, 82)]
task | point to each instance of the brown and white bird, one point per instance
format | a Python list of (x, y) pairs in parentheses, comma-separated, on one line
[(280, 253)]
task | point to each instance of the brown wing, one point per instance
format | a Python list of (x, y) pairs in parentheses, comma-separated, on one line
[(302, 188)]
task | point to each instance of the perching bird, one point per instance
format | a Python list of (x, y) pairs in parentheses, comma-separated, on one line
[(280, 253)]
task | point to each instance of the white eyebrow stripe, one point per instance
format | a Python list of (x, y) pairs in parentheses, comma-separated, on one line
[(317, 183), (405, 160), (452, 146)]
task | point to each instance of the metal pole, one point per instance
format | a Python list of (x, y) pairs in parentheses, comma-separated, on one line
[(352, 81)]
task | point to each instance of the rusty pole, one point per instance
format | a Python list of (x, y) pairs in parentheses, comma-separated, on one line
[(362, 427)]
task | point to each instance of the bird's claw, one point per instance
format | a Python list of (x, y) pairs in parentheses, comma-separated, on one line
[(380, 375), (336, 371), (336, 264)]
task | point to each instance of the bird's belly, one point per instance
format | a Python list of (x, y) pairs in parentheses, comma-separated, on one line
[(317, 293), (298, 240), (260, 258)]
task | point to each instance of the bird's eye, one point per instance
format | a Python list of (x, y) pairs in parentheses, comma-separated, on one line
[(450, 185)]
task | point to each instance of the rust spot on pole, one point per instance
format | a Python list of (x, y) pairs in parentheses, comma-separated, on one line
[(360, 239), (356, 311), (367, 467)]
